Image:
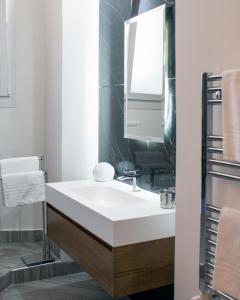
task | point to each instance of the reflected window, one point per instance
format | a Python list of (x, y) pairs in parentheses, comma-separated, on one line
[(147, 68), (4, 61), (144, 76)]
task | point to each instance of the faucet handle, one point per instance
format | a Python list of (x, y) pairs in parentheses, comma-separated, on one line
[(132, 173)]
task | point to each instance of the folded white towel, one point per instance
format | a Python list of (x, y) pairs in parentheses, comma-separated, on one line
[(226, 276), (23, 188), (21, 164)]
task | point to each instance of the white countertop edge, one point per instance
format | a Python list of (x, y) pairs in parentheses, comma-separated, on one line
[(116, 233)]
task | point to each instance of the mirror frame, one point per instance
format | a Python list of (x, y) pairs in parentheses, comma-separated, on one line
[(153, 98)]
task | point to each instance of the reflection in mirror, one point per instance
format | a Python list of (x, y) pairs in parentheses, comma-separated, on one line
[(4, 63), (145, 76)]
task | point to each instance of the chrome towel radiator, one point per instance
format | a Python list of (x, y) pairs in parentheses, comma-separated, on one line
[(45, 256), (211, 96)]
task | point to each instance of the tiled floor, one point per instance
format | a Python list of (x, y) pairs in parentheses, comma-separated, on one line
[(72, 287), (13, 270), (10, 255), (78, 286)]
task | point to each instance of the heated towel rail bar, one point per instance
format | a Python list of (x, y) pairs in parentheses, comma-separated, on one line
[(211, 96), (45, 256), (40, 158)]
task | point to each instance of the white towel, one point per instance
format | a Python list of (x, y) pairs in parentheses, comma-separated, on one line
[(23, 188), (21, 164), (231, 115), (226, 276), (201, 297)]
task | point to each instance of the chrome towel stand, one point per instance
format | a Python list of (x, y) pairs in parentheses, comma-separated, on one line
[(211, 96), (45, 256)]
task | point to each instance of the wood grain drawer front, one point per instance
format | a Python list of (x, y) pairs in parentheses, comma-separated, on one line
[(144, 266), (92, 256), (121, 271)]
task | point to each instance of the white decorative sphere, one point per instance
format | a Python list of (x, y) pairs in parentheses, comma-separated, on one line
[(103, 172)]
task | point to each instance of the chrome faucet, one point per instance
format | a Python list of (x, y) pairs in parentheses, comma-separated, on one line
[(131, 174)]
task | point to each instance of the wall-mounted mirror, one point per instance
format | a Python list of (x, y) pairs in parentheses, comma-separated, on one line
[(144, 82)]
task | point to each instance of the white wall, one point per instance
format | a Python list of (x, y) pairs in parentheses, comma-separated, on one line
[(53, 89), (56, 114), (22, 128), (206, 40), (80, 63), (72, 33)]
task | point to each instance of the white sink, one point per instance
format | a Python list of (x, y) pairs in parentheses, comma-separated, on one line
[(107, 196), (112, 211)]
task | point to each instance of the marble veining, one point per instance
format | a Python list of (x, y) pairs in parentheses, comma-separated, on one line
[(113, 148), (74, 287), (141, 6), (113, 13), (13, 271)]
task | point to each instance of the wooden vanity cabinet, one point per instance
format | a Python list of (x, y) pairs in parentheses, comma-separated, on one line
[(121, 270)]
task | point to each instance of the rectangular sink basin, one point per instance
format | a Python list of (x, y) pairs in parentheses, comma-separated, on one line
[(107, 196), (112, 211)]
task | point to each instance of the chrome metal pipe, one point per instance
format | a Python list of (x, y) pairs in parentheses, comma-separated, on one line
[(215, 150), (224, 175), (209, 275), (223, 163), (7, 96), (213, 101), (212, 231), (219, 293), (212, 254), (212, 220), (215, 89), (214, 209), (215, 138), (214, 77), (212, 243), (44, 232), (210, 265)]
